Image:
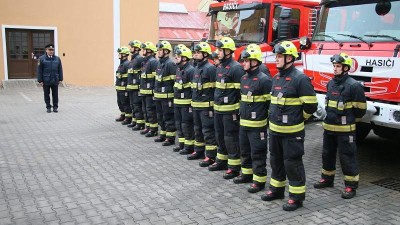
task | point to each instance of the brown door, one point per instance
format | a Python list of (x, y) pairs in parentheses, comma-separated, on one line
[(24, 47)]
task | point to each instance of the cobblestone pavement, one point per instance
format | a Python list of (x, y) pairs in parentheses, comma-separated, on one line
[(81, 167)]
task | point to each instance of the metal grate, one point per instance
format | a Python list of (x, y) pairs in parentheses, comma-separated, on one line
[(390, 183)]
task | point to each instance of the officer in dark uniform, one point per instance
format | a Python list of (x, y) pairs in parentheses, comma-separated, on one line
[(182, 100), (134, 72), (147, 77), (255, 89), (49, 75), (263, 68), (203, 87), (164, 94), (120, 85), (293, 100), (226, 107), (345, 106)]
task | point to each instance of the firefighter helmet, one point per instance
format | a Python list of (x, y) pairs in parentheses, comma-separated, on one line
[(226, 43), (164, 45), (124, 50), (342, 58), (203, 47), (214, 55), (286, 48), (252, 52), (184, 52), (149, 45), (135, 44)]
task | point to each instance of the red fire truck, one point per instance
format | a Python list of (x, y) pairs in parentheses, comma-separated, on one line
[(264, 22), (369, 31)]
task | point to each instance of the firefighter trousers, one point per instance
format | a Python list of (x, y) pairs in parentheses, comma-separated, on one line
[(346, 145), (184, 126), (286, 153), (227, 134), (165, 117), (204, 132), (136, 105), (149, 111), (253, 152), (123, 103)]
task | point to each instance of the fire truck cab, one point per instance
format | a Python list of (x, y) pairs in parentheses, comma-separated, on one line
[(369, 32), (263, 22)]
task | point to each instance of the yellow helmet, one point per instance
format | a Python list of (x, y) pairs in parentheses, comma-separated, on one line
[(342, 58), (203, 47), (180, 46), (184, 52), (252, 52), (226, 43), (135, 44), (124, 50), (164, 45), (150, 46), (286, 48)]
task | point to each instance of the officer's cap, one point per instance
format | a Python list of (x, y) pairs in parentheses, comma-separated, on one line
[(49, 46)]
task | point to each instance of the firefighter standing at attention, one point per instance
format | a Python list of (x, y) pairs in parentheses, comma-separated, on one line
[(120, 85), (226, 107), (135, 100), (147, 77), (255, 88), (182, 99), (293, 100), (345, 105), (164, 94)]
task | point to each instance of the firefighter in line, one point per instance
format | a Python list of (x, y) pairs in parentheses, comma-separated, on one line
[(226, 107), (255, 88), (293, 101), (120, 86), (203, 87), (164, 94), (182, 99), (133, 84), (147, 77), (345, 105)]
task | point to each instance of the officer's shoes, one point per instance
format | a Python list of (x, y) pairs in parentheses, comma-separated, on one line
[(168, 142), (151, 134), (195, 155), (48, 110), (177, 148), (254, 188), (185, 151), (138, 127), (270, 196), (348, 193), (120, 118), (159, 139), (292, 205), (243, 179), (127, 121), (133, 124), (323, 183), (230, 174), (206, 162), (217, 166), (145, 131), (55, 110)]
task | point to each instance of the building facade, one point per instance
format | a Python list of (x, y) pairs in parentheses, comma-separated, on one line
[(86, 35)]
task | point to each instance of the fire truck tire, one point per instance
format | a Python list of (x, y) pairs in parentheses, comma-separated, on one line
[(362, 131)]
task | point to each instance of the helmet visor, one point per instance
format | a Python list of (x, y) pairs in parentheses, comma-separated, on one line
[(178, 51), (245, 54), (278, 49), (219, 44), (337, 59), (160, 45), (143, 45)]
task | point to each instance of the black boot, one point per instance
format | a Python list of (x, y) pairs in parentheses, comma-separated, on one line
[(120, 118), (138, 127), (127, 121), (270, 196), (49, 111), (168, 142), (145, 131), (243, 179), (195, 155), (292, 205), (159, 139), (217, 166), (186, 151), (230, 174), (254, 188), (133, 124), (348, 193), (55, 109), (207, 162), (151, 133), (180, 146), (323, 183)]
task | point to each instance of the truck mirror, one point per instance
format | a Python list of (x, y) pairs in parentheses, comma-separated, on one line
[(382, 8), (305, 43)]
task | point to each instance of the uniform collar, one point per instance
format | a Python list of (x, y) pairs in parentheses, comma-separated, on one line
[(286, 71), (340, 78), (202, 63), (226, 61), (254, 72), (183, 66), (164, 59)]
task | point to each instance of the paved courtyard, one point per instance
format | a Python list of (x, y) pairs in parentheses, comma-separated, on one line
[(81, 167)]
